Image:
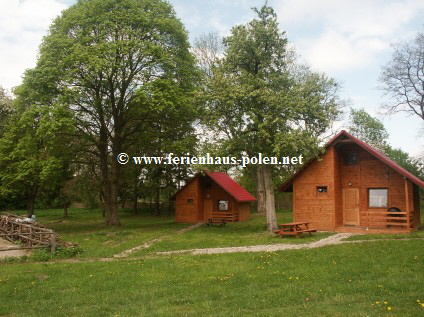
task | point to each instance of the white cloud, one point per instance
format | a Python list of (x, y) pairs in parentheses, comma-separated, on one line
[(23, 23), (348, 34)]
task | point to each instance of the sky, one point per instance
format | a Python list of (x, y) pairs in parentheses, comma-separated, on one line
[(348, 40)]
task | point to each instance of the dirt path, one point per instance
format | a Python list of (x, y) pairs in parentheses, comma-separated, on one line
[(149, 243), (4, 245)]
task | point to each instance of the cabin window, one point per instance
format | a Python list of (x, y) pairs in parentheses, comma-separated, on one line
[(321, 189), (223, 205), (190, 201), (350, 158), (378, 197)]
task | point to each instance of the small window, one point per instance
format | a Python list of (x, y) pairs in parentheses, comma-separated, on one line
[(378, 197), (223, 205), (350, 158), (190, 201), (321, 189)]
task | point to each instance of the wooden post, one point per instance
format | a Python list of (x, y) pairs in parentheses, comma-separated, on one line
[(52, 243), (31, 230), (407, 205)]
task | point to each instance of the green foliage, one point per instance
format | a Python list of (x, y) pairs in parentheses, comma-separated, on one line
[(125, 71), (368, 129), (34, 150), (402, 158), (260, 100)]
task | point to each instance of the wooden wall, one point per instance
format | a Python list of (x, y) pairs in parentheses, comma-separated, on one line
[(325, 210), (189, 213), (308, 205), (203, 189)]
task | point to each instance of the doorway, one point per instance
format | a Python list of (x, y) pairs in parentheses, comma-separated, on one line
[(351, 206)]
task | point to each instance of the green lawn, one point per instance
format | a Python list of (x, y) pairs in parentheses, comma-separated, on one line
[(88, 229), (344, 280), (232, 234)]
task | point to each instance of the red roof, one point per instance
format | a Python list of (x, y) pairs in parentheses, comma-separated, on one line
[(230, 186), (370, 150)]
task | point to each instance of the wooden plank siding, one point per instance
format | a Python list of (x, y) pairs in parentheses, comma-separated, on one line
[(316, 208), (325, 211)]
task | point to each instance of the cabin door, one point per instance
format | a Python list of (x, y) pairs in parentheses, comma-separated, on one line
[(208, 207), (351, 206)]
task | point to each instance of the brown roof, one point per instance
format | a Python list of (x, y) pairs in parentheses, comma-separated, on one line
[(370, 150)]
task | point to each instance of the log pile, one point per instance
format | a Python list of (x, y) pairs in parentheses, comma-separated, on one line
[(29, 235)]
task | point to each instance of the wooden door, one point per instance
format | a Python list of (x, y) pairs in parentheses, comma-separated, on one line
[(351, 206), (208, 207)]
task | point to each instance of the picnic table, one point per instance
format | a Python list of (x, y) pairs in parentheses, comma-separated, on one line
[(294, 228)]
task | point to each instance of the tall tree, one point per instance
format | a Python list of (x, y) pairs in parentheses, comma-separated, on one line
[(5, 109), (34, 151), (402, 78), (367, 128), (260, 101), (102, 57)]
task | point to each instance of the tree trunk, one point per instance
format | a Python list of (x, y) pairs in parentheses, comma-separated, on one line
[(31, 201), (135, 194), (271, 216), (113, 218), (65, 210), (260, 191)]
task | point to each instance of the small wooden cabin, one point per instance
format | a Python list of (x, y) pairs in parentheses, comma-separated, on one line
[(212, 195), (353, 187)]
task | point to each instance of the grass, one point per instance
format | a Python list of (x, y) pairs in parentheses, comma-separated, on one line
[(344, 280), (232, 234), (88, 229)]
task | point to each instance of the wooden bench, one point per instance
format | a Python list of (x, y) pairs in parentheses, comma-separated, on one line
[(217, 221)]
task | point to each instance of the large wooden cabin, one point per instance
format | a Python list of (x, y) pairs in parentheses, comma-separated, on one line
[(353, 187), (212, 196)]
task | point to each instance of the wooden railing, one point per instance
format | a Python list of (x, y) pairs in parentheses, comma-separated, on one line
[(224, 215), (387, 219), (30, 236)]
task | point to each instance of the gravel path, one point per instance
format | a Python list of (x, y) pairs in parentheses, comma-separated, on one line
[(332, 240), (4, 245), (149, 243)]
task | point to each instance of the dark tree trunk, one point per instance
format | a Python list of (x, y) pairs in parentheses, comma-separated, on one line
[(32, 195), (135, 194), (65, 210), (260, 191)]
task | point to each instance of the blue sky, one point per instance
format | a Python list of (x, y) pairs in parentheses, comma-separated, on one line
[(348, 40)]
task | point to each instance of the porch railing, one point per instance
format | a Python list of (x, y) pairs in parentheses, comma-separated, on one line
[(387, 219), (230, 217)]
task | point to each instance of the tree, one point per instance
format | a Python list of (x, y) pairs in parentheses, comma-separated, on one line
[(102, 58), (33, 152), (5, 109), (258, 100), (402, 78), (368, 129), (372, 131)]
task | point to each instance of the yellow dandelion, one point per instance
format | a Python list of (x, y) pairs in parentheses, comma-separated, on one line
[(385, 303), (377, 302), (389, 308), (422, 305), (418, 300)]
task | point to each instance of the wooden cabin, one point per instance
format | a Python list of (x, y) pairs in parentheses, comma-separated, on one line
[(353, 187), (212, 196)]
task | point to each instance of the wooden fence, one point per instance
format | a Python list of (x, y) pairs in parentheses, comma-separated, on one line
[(30, 236), (388, 219)]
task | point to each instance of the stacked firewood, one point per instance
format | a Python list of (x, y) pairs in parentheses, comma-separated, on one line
[(28, 232)]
